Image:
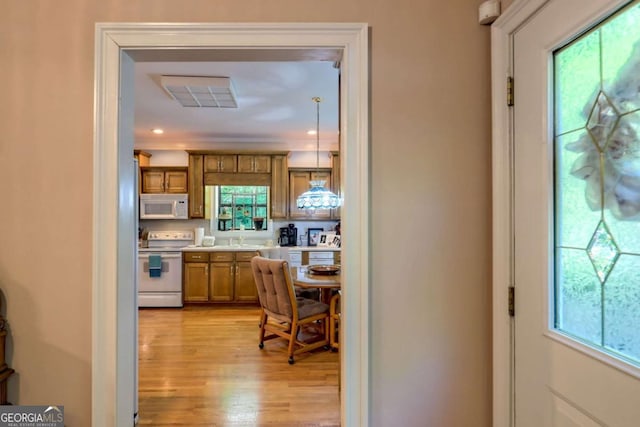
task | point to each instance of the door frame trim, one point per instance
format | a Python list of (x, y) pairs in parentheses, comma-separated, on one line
[(113, 193), (503, 367)]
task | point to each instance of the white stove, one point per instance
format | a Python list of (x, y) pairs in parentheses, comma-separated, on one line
[(160, 268)]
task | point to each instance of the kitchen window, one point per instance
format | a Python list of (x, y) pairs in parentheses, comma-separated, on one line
[(242, 207)]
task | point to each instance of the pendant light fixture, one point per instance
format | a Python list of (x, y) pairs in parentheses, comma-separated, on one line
[(318, 197)]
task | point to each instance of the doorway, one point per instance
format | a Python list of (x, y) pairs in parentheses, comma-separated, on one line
[(113, 306)]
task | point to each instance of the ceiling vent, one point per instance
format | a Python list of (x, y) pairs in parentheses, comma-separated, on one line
[(206, 92)]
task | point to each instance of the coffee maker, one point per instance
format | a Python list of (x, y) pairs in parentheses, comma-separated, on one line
[(288, 236)]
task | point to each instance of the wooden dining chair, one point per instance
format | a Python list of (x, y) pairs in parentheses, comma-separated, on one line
[(334, 321), (282, 312)]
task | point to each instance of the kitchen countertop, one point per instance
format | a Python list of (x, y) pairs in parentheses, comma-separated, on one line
[(247, 248)]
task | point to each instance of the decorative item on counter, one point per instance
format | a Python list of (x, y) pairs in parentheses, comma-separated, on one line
[(208, 241), (329, 240), (223, 219), (258, 223), (314, 236), (225, 214)]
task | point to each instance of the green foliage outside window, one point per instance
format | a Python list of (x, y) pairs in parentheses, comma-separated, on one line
[(242, 205)]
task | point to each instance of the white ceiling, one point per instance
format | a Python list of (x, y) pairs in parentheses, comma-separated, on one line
[(274, 94)]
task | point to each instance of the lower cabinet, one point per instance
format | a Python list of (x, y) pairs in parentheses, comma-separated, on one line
[(223, 277), (195, 277)]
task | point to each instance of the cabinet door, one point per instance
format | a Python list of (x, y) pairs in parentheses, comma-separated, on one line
[(196, 282), (196, 186), (245, 163), (298, 184), (175, 181), (249, 163), (279, 187), (152, 181), (220, 163), (246, 290), (221, 281)]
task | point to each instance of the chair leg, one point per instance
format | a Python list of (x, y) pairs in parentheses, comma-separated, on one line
[(263, 322), (292, 340)]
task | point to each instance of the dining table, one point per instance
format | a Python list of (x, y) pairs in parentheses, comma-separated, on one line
[(326, 283)]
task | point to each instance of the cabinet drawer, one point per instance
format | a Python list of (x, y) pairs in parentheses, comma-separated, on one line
[(196, 257), (245, 256), (221, 256)]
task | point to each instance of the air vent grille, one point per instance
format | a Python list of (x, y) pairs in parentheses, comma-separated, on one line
[(204, 92)]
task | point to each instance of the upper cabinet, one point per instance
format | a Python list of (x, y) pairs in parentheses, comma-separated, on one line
[(279, 186), (163, 179), (227, 163), (196, 186), (254, 163)]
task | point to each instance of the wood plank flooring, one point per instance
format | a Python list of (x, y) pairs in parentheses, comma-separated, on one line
[(201, 366)]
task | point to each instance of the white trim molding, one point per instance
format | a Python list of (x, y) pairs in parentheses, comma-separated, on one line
[(112, 394), (502, 32)]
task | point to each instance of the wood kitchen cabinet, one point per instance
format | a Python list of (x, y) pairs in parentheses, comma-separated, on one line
[(221, 163), (222, 276), (279, 186), (248, 163), (195, 277), (196, 186), (164, 180), (245, 285), (219, 277), (298, 184)]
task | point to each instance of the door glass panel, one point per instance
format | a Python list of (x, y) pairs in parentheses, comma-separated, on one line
[(597, 186)]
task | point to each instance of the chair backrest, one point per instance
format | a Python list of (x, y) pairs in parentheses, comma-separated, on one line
[(275, 288), (275, 253)]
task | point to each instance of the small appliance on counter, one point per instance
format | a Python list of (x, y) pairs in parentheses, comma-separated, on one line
[(288, 236)]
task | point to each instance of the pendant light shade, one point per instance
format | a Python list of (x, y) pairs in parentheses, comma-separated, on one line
[(318, 197)]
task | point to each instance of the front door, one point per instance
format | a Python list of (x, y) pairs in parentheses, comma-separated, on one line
[(576, 231)]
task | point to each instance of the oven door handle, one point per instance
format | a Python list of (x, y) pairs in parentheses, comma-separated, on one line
[(163, 255)]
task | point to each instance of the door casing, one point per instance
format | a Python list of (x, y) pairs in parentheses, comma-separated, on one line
[(113, 193)]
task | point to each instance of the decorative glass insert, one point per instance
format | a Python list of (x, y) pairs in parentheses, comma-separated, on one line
[(242, 207), (603, 251), (597, 186)]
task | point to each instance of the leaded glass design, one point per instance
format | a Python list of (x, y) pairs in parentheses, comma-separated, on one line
[(603, 251), (597, 186)]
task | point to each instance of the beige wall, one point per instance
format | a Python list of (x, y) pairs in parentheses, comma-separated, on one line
[(430, 196)]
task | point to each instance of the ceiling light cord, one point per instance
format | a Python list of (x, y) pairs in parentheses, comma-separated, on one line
[(317, 100)]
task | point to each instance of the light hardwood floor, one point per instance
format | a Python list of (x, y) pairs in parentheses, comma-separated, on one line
[(201, 366)]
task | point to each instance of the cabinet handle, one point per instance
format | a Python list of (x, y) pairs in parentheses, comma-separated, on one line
[(231, 269), (236, 269)]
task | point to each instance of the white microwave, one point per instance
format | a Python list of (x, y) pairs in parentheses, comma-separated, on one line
[(164, 206)]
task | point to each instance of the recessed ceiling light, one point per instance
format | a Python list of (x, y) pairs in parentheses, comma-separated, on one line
[(311, 132), (157, 131)]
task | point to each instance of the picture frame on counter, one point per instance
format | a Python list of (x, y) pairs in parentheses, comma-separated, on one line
[(329, 240), (313, 236)]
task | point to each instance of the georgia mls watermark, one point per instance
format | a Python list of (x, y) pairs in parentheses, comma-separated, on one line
[(32, 416)]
